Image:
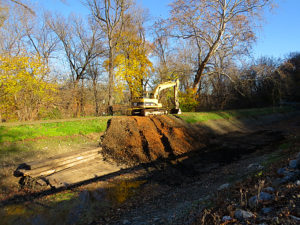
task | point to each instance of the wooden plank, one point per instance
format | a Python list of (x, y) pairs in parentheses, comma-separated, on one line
[(45, 171), (86, 171), (53, 164), (59, 158)]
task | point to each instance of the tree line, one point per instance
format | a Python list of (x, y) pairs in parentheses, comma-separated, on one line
[(53, 66)]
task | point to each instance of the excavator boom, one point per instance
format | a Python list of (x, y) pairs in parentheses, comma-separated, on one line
[(163, 86)]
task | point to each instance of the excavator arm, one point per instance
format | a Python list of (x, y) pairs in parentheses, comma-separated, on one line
[(166, 85), (163, 86)]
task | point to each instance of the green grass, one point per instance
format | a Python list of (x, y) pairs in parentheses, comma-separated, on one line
[(194, 117), (61, 196), (67, 128), (15, 132)]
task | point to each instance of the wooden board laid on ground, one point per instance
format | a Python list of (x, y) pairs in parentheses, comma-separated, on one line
[(66, 169)]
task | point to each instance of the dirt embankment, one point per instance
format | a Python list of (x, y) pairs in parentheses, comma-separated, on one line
[(134, 140)]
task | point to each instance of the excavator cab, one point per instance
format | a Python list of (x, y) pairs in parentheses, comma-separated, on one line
[(146, 106)]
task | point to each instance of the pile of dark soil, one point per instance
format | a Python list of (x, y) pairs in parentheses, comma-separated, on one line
[(134, 140)]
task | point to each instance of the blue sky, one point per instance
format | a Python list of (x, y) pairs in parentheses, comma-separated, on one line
[(279, 35)]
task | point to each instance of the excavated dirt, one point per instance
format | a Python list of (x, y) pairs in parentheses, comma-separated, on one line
[(135, 140)]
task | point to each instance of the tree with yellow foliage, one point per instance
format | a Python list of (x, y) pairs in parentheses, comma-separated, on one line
[(133, 64), (24, 88)]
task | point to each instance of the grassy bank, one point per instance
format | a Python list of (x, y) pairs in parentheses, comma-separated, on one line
[(194, 117), (41, 130), (16, 132)]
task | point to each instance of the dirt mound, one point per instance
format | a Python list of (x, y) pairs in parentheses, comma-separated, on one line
[(134, 140)]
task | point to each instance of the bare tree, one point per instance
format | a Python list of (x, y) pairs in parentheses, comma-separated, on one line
[(81, 44), (40, 37), (22, 31), (162, 49), (20, 3), (213, 24), (109, 15), (94, 72), (12, 32), (175, 58)]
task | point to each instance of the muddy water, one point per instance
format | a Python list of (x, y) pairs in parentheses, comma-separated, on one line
[(70, 207)]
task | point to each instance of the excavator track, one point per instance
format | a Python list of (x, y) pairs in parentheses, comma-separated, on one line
[(150, 112)]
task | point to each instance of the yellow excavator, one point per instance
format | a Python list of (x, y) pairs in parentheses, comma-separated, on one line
[(146, 106)]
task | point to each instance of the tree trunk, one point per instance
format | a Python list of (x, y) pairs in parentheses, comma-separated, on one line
[(212, 50), (96, 97), (82, 103), (110, 82), (76, 95)]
